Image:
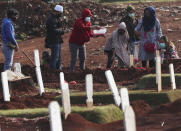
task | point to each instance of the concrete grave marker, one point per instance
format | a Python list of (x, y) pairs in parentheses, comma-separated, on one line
[(66, 100), (131, 60), (17, 67), (129, 119), (40, 81), (38, 72), (172, 76), (4, 79), (89, 90), (62, 81), (55, 116), (158, 75), (124, 98), (36, 58), (113, 87)]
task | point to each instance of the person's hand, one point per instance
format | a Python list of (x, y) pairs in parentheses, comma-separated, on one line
[(17, 48), (138, 33)]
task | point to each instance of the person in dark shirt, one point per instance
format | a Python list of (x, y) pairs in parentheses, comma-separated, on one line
[(131, 22), (53, 38)]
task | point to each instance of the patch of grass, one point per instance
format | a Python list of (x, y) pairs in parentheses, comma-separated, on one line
[(100, 114), (149, 81), (97, 114), (152, 97), (25, 113)]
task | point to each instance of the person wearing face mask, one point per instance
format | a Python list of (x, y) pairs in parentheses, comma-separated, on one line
[(149, 31), (131, 22), (9, 43), (117, 46), (81, 33), (53, 38)]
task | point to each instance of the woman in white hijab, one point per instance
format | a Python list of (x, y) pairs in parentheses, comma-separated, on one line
[(117, 46)]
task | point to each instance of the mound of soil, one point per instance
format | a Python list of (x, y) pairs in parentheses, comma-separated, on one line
[(35, 13), (174, 107), (22, 102), (140, 107)]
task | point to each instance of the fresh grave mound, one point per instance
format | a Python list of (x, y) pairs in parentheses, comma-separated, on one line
[(19, 88), (74, 122), (23, 102), (140, 107), (174, 107)]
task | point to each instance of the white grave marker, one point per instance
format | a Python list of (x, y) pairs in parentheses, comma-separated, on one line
[(89, 90), (131, 61), (40, 81), (5, 86), (159, 77), (124, 98), (129, 119), (172, 76), (55, 116), (113, 87), (36, 58), (17, 67), (62, 81), (38, 72), (66, 100)]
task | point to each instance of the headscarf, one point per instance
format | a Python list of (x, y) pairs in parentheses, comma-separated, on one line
[(149, 23), (86, 12), (122, 38), (121, 44)]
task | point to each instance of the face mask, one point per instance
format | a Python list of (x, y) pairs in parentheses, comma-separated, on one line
[(131, 15), (87, 19), (162, 45), (121, 32)]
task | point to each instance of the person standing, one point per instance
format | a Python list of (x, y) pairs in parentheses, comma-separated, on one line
[(81, 33), (150, 32), (9, 43), (117, 46), (53, 38), (131, 22)]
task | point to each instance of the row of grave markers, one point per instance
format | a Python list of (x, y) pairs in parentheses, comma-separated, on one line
[(123, 99)]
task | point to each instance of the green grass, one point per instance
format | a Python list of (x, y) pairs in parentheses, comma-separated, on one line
[(149, 81), (100, 114), (152, 97), (97, 114)]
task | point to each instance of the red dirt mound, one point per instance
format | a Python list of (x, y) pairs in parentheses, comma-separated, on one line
[(174, 107), (140, 107), (18, 102)]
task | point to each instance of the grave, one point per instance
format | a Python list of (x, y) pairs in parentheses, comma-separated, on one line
[(66, 100), (124, 98), (172, 76), (4, 79), (89, 90), (55, 116), (129, 119), (113, 87), (38, 72)]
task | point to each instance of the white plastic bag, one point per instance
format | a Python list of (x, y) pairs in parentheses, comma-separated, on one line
[(100, 31)]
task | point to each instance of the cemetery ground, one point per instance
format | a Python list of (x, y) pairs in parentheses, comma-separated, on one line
[(154, 110)]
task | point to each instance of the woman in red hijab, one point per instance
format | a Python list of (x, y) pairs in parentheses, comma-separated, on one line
[(81, 33)]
